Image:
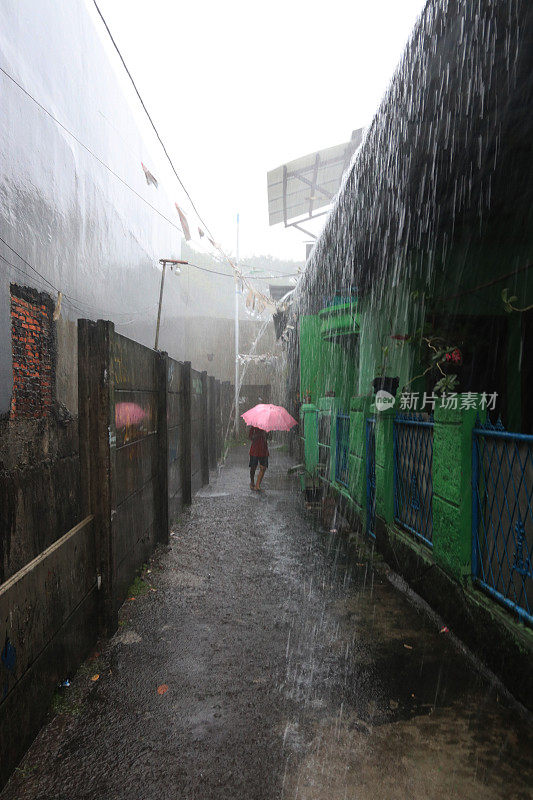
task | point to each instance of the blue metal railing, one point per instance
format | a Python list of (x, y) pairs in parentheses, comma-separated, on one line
[(413, 481), (502, 516), (342, 449), (370, 476)]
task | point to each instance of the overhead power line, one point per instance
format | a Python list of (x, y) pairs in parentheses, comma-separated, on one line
[(174, 170), (238, 275), (248, 277), (125, 183), (88, 150), (80, 305)]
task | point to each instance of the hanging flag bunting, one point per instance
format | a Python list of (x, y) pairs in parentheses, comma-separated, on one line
[(201, 233), (184, 223), (149, 177), (263, 358)]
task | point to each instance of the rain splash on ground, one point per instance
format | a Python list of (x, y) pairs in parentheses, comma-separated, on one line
[(262, 658)]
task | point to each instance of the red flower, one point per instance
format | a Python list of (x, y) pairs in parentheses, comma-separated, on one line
[(455, 356)]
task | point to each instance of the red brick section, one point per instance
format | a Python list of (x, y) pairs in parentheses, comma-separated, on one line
[(32, 343)]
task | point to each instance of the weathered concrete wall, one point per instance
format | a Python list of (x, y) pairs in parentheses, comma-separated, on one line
[(62, 210), (39, 487), (49, 622), (135, 499), (199, 453), (178, 410), (144, 423)]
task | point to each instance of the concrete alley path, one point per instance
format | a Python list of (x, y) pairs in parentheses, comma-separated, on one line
[(294, 670)]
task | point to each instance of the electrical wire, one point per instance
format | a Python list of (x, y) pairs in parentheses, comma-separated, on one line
[(248, 277), (80, 305), (237, 273), (127, 185), (91, 152), (150, 118)]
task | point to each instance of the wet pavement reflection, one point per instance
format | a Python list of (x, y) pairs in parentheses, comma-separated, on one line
[(262, 656)]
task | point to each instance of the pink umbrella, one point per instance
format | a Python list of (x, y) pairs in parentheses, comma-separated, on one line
[(269, 418), (129, 414)]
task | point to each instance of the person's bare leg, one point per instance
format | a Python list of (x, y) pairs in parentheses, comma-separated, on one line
[(252, 478), (260, 478)]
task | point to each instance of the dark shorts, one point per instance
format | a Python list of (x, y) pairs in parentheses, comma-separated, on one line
[(255, 460)]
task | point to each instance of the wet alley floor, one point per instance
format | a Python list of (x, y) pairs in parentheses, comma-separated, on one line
[(261, 659)]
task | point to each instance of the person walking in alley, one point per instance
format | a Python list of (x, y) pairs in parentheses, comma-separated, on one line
[(258, 456)]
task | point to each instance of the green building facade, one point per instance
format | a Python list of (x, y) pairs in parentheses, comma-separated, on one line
[(420, 286)]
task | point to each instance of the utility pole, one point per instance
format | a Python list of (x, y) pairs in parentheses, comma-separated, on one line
[(164, 262), (237, 338)]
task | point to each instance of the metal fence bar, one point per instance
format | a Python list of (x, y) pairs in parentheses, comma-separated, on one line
[(502, 516), (412, 476), (342, 449)]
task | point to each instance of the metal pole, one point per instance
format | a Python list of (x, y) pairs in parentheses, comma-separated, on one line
[(160, 302), (236, 423)]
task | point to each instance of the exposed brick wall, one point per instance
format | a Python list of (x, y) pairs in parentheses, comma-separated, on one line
[(33, 344)]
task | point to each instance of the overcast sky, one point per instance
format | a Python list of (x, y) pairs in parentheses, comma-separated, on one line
[(240, 87)]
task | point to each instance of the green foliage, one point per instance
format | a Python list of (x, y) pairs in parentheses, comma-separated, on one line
[(66, 702), (508, 303), (138, 587), (447, 384)]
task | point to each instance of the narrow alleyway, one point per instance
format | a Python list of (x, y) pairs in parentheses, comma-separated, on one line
[(294, 670)]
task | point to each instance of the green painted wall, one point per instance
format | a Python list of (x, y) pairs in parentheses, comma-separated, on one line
[(464, 287), (309, 421), (324, 366), (382, 317)]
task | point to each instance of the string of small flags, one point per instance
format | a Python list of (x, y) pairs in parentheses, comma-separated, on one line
[(263, 358), (256, 301)]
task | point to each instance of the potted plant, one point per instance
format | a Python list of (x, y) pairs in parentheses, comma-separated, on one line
[(440, 360), (384, 383)]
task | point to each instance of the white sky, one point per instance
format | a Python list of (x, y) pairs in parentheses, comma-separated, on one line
[(237, 88)]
